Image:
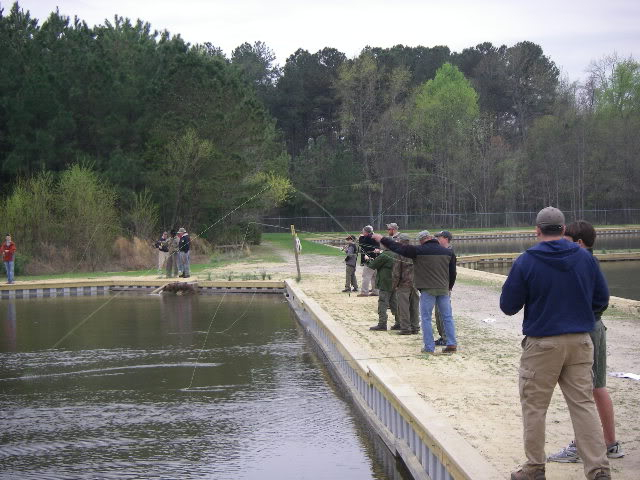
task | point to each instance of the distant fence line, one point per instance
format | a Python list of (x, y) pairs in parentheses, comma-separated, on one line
[(439, 221)]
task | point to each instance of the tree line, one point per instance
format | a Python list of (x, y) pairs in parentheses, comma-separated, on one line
[(416, 130), (175, 133)]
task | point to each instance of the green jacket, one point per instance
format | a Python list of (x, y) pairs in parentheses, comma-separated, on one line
[(383, 264)]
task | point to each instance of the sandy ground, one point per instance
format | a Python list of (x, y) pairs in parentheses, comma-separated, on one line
[(476, 390)]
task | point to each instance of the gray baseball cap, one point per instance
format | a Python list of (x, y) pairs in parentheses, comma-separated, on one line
[(392, 225), (550, 216), (423, 234), (403, 237)]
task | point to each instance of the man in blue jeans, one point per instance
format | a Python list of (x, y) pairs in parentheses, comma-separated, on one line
[(434, 275)]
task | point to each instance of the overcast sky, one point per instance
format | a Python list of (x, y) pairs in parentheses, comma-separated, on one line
[(571, 32)]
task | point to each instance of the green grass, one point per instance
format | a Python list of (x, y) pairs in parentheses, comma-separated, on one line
[(285, 242)]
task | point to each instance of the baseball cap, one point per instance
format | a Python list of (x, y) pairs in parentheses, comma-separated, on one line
[(368, 229), (423, 234), (550, 216), (392, 225), (444, 233), (403, 237)]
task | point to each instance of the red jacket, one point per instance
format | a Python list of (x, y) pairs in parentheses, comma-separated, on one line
[(8, 253)]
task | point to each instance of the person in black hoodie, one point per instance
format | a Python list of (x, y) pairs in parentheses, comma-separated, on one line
[(369, 249), (184, 246), (560, 286)]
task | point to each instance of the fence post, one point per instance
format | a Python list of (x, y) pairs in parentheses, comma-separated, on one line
[(296, 249)]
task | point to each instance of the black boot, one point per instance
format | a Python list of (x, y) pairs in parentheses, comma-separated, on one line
[(380, 326)]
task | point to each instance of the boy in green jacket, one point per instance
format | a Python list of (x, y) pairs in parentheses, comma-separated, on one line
[(383, 265)]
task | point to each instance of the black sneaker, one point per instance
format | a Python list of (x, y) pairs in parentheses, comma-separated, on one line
[(346, 290), (378, 327), (440, 342), (415, 331), (355, 289), (396, 326), (405, 332)]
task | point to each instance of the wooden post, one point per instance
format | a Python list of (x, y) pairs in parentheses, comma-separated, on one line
[(296, 247)]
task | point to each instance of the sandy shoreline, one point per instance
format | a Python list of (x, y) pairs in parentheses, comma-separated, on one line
[(476, 389)]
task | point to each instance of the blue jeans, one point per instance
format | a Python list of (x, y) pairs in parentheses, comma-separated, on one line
[(8, 266), (427, 302), (184, 261)]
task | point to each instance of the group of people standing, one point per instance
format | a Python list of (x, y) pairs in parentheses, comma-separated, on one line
[(174, 253), (559, 285), (410, 280)]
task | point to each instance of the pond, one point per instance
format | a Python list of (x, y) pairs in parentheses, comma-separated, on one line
[(173, 387)]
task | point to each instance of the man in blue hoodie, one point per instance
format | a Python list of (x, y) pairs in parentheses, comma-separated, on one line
[(560, 286)]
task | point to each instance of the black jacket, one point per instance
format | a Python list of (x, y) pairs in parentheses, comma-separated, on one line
[(367, 245), (185, 243)]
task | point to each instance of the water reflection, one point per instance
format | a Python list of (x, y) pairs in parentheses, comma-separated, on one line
[(8, 340), (136, 392)]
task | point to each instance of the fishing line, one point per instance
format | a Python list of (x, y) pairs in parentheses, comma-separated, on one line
[(240, 317), (193, 373), (90, 315)]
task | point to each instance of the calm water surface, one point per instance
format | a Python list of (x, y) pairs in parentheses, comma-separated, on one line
[(622, 277), (139, 390), (512, 245)]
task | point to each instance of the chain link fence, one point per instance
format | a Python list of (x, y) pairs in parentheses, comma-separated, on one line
[(437, 221)]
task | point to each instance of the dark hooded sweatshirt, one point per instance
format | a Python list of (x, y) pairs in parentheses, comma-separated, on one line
[(559, 285)]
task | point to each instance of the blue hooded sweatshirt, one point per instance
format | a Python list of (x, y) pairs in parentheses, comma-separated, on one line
[(559, 285)]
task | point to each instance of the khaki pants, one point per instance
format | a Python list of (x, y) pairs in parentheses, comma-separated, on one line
[(368, 280), (162, 259), (565, 360), (408, 300)]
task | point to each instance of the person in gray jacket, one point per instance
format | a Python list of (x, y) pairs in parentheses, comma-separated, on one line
[(350, 262)]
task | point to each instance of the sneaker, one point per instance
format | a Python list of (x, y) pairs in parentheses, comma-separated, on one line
[(355, 289), (415, 331), (373, 294), (362, 295), (569, 454), (450, 349), (396, 326), (615, 451), (529, 475), (378, 327), (429, 352), (405, 332), (346, 290), (441, 343)]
